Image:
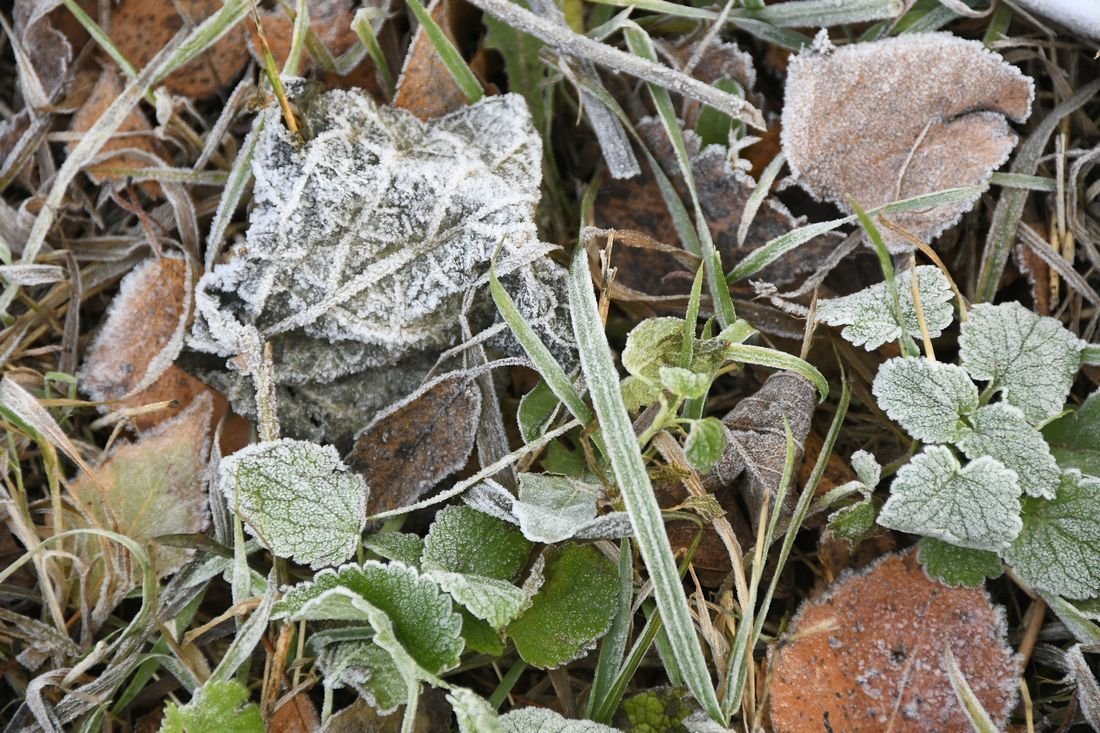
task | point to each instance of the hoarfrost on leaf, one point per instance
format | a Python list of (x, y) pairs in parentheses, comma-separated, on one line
[(927, 398), (868, 317), (1032, 359), (1060, 541), (544, 720), (958, 566), (977, 506), (298, 498), (364, 666), (463, 540), (217, 705), (1002, 432), (551, 508), (491, 600), (1074, 439), (363, 243), (867, 468)]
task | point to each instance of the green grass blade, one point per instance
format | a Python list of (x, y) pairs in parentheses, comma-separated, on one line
[(613, 645), (763, 356), (450, 55), (365, 31), (756, 198), (886, 263), (240, 175), (971, 705)]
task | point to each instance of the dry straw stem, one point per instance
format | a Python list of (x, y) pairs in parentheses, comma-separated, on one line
[(568, 43)]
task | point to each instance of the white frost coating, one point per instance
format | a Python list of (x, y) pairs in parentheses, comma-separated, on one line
[(495, 601), (298, 498), (927, 398), (367, 668), (1080, 16), (364, 240), (977, 506), (551, 508), (1032, 359), (1002, 432), (1060, 541), (867, 468), (900, 117), (869, 318), (544, 720)]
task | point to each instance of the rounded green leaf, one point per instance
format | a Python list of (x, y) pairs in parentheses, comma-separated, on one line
[(958, 566), (706, 443), (464, 540), (1002, 432), (221, 706), (927, 398)]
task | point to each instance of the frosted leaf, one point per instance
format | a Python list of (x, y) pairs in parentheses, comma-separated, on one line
[(705, 443), (977, 506), (1060, 541), (364, 241), (868, 317), (867, 468), (365, 667), (217, 705), (927, 398), (900, 117), (1032, 359), (1002, 432), (854, 523), (1075, 438), (551, 508), (544, 720), (1079, 16), (298, 498), (684, 382), (401, 546), (958, 566), (463, 540), (419, 614), (491, 600)]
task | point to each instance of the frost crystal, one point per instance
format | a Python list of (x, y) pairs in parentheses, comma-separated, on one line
[(1031, 358), (544, 720), (1002, 432), (977, 506), (868, 317), (927, 398), (365, 239)]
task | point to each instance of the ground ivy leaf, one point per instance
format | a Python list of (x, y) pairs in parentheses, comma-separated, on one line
[(854, 523), (400, 546), (927, 398), (868, 316), (536, 408), (1075, 439), (221, 706), (365, 667), (1002, 432), (298, 498), (1032, 359), (958, 566), (571, 611), (474, 713), (544, 720), (977, 506), (867, 468), (464, 540), (655, 343), (661, 709), (705, 443), (684, 382), (479, 636), (420, 614), (552, 508), (495, 601), (1060, 541)]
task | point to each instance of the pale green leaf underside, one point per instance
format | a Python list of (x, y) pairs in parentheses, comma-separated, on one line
[(1002, 432), (927, 398), (298, 498), (868, 317), (368, 669), (867, 468), (551, 508), (977, 506), (491, 600), (1058, 548), (1032, 359)]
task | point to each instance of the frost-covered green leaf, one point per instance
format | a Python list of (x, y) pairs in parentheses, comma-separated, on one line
[(854, 523), (220, 706), (927, 398), (705, 443), (655, 344), (365, 667), (551, 508), (364, 239), (867, 468), (868, 316), (1002, 431), (684, 382), (495, 601), (474, 713), (298, 498), (420, 614), (1032, 359), (400, 546), (544, 720), (1058, 548), (571, 611), (464, 540), (1075, 439), (976, 506), (958, 566), (536, 408)]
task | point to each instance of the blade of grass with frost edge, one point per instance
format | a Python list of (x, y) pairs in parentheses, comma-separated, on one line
[(297, 39), (101, 38), (641, 505), (970, 703), (613, 644), (802, 14), (886, 263), (450, 55), (1081, 627), (763, 356), (763, 186), (240, 174), (363, 28)]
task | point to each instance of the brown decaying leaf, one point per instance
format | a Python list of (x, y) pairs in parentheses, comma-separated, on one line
[(141, 28), (868, 655), (420, 440), (901, 117), (330, 21), (135, 133), (425, 87), (46, 47), (296, 715)]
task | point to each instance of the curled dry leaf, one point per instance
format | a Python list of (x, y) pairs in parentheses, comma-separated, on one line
[(141, 28), (869, 655), (425, 87), (414, 444), (891, 119), (45, 46)]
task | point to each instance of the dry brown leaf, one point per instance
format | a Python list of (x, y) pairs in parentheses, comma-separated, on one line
[(901, 117), (45, 46), (330, 21), (425, 87), (868, 656), (414, 444), (296, 715), (141, 28)]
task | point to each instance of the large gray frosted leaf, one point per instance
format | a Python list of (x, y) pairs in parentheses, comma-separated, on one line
[(1058, 548), (364, 240), (927, 398), (298, 498), (1031, 358), (977, 506), (868, 316), (1002, 432), (544, 720)]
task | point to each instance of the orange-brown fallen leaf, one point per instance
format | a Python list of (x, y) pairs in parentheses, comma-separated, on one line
[(425, 87), (297, 715), (330, 21), (869, 656)]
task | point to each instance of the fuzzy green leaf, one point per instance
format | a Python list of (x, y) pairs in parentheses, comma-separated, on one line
[(1075, 439), (868, 318), (536, 408), (1032, 359), (1058, 548), (365, 667), (298, 498), (854, 523), (551, 508), (957, 566), (977, 506), (220, 706), (684, 382), (867, 468), (927, 398), (706, 443), (495, 601), (544, 720), (1002, 432), (400, 546), (463, 540)]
